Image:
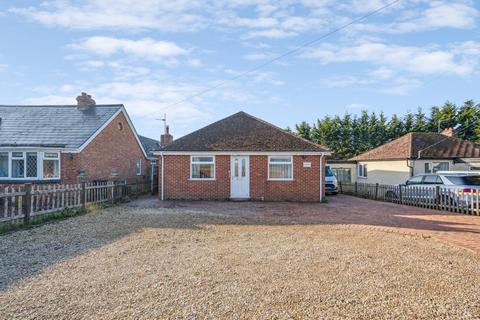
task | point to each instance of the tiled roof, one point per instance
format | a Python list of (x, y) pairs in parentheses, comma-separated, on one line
[(243, 132), (60, 126), (149, 145), (431, 146)]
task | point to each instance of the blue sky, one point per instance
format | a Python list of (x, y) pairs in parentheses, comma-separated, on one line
[(151, 54)]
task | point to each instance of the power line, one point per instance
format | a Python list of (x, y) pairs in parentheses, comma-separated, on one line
[(440, 141), (290, 52)]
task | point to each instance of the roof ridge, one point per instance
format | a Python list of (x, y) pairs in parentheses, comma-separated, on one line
[(283, 130), (59, 105)]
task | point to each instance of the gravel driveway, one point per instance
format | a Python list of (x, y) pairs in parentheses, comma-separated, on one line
[(144, 263)]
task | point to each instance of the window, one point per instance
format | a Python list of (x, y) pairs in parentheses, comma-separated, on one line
[(343, 174), (138, 167), (32, 165), (415, 180), (3, 164), (280, 168), (432, 167), (432, 179), (29, 165), (51, 165), (362, 170), (202, 168), (18, 165)]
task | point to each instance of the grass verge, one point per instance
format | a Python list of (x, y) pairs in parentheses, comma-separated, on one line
[(52, 217)]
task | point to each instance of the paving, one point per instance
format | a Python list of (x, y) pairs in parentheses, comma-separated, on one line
[(459, 229)]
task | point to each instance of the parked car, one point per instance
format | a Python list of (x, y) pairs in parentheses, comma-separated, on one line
[(454, 187), (331, 183)]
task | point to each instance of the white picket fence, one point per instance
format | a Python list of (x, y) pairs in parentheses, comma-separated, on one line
[(461, 200), (27, 201)]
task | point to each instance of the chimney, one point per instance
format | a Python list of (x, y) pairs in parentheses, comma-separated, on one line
[(447, 132), (166, 138), (85, 100)]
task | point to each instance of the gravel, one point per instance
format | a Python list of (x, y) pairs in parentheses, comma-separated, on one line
[(131, 262)]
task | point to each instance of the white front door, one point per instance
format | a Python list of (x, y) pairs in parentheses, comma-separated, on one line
[(240, 177)]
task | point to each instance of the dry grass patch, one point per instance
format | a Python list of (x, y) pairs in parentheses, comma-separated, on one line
[(163, 263)]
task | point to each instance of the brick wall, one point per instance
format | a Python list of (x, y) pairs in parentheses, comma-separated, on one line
[(111, 149), (179, 186), (304, 187)]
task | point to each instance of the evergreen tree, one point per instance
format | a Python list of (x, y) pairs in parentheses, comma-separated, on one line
[(303, 130), (408, 123), (421, 121), (348, 136), (395, 128)]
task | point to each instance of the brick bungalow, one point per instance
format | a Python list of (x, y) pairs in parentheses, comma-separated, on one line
[(242, 157), (67, 144)]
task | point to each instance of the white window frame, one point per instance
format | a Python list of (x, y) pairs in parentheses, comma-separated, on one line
[(41, 165), (269, 163), (362, 171), (203, 162), (431, 164), (138, 165), (40, 159)]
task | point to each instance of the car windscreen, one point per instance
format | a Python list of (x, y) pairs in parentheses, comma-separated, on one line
[(465, 180), (328, 172)]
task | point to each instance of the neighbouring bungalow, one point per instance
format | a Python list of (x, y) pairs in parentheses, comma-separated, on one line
[(242, 157), (412, 154), (71, 143)]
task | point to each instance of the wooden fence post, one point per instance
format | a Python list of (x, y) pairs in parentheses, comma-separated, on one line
[(356, 188), (83, 195), (28, 203), (437, 197), (376, 191), (339, 185)]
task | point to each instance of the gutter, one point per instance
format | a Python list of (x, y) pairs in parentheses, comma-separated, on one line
[(163, 175), (321, 177)]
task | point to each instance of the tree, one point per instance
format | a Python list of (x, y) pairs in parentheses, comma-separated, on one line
[(349, 136), (421, 121), (303, 130)]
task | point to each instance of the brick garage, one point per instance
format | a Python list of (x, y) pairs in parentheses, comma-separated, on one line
[(242, 157)]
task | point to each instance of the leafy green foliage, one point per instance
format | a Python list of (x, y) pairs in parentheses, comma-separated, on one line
[(349, 135)]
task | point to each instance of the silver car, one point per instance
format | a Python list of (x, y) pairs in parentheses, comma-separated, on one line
[(452, 187)]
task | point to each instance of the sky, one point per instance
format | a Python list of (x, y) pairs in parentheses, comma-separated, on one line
[(156, 56)]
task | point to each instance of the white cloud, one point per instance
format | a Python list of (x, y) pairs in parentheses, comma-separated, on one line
[(438, 15), (144, 48), (179, 15), (361, 106), (257, 56), (3, 67), (345, 81), (403, 86), (269, 33), (415, 60)]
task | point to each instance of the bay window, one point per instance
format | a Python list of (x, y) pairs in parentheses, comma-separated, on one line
[(202, 168), (280, 168), (29, 165)]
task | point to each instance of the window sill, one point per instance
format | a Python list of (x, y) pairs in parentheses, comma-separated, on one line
[(280, 180), (200, 179), (23, 181)]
